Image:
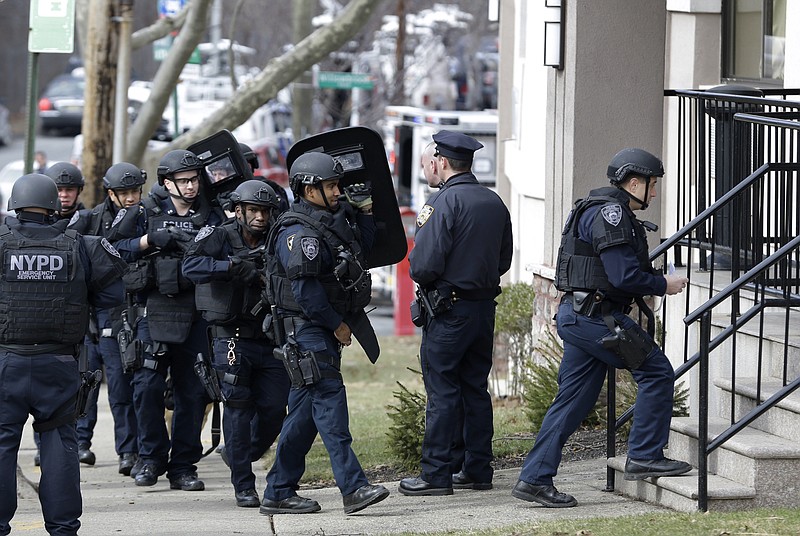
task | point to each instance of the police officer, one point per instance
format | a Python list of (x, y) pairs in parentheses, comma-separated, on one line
[(70, 182), (172, 332), (603, 266), (123, 183), (317, 276), (251, 158), (463, 245), (49, 279), (226, 263)]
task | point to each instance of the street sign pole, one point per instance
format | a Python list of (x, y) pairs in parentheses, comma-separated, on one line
[(52, 29)]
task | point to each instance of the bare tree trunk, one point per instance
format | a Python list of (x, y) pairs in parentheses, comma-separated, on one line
[(100, 62), (302, 92)]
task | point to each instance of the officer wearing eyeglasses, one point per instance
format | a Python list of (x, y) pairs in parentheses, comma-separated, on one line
[(172, 332)]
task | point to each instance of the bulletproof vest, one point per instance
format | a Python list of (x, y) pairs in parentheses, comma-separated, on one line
[(579, 266), (102, 216), (341, 289), (43, 292), (171, 307), (224, 302)]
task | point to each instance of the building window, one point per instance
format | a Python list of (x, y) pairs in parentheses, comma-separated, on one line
[(754, 38)]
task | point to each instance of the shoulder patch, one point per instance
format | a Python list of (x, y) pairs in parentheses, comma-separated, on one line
[(424, 213), (204, 233), (74, 219), (290, 241), (612, 214), (119, 216), (108, 247), (310, 247)]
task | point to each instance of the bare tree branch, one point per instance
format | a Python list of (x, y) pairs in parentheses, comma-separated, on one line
[(277, 74), (161, 28)]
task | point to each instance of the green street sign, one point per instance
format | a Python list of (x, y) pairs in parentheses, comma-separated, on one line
[(52, 26), (338, 80), (161, 49)]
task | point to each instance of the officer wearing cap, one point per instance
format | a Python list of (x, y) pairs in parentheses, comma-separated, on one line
[(463, 245), (123, 183), (50, 277), (226, 265), (603, 266), (172, 332), (317, 276)]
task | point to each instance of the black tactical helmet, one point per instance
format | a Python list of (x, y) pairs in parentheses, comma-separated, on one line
[(123, 176), (255, 192), (65, 174), (34, 190), (634, 161), (313, 168), (248, 155), (176, 161)]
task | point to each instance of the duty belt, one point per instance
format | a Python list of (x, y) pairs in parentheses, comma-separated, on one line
[(593, 304), (236, 332)]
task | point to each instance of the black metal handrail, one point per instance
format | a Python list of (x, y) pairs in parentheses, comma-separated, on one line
[(750, 223)]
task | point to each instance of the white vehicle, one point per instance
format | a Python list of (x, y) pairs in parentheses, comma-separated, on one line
[(407, 130)]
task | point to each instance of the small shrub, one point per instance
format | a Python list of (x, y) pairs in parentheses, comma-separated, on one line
[(513, 332), (408, 426)]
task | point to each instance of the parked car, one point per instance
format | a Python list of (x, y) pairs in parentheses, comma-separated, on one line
[(5, 126), (10, 173), (61, 105)]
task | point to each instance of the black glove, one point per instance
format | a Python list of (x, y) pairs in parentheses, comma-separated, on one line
[(161, 238), (124, 226), (243, 270), (360, 196)]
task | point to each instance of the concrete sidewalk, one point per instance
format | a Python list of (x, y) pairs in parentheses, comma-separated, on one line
[(113, 504)]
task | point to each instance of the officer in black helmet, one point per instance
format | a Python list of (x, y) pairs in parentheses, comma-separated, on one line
[(49, 279), (463, 246), (69, 180), (226, 264), (123, 183), (316, 276), (603, 266), (251, 158), (171, 332)]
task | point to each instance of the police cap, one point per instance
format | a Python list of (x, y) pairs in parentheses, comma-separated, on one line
[(456, 145)]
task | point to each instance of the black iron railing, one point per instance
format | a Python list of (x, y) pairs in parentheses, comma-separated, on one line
[(738, 198)]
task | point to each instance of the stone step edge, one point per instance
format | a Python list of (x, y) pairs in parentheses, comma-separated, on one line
[(722, 320), (746, 386), (719, 488), (750, 442)]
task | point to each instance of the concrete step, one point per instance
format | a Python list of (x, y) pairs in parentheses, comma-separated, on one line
[(680, 492), (752, 458), (782, 420)]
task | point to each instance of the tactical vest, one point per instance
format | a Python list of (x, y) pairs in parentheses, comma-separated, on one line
[(349, 292), (579, 267), (171, 307), (225, 302), (43, 292)]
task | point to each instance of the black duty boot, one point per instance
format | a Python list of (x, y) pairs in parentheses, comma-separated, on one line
[(126, 462), (641, 469), (364, 496), (85, 455), (187, 482)]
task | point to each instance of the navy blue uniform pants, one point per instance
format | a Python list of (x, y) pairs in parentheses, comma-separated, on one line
[(583, 369), (456, 355), (320, 407), (41, 386), (179, 451), (105, 355), (256, 384)]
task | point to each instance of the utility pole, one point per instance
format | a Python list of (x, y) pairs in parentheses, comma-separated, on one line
[(125, 19), (399, 96), (302, 92)]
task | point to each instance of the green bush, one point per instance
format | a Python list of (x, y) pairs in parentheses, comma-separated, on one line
[(513, 331), (408, 426)]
